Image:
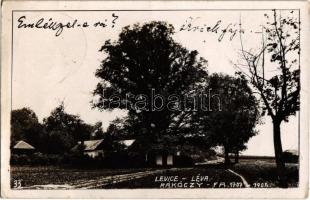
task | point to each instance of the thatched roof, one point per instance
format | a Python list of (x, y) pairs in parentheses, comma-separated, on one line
[(23, 145)]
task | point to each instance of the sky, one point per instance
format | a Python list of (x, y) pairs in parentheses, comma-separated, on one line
[(48, 69)]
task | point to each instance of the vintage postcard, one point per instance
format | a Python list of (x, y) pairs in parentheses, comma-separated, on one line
[(154, 99)]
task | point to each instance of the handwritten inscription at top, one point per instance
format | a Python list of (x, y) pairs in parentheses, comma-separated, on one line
[(231, 29), (219, 28), (58, 27)]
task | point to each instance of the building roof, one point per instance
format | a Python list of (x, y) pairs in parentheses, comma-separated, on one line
[(23, 145), (292, 151), (127, 143), (91, 145)]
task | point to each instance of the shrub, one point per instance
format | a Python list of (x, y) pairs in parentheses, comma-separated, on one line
[(289, 157), (36, 159)]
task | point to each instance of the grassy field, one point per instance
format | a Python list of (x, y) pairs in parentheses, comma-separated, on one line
[(44, 175), (259, 173), (262, 172)]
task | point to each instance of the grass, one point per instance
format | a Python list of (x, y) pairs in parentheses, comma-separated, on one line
[(262, 172)]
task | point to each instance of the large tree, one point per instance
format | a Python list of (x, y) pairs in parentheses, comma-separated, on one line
[(143, 63), (280, 88), (232, 116)]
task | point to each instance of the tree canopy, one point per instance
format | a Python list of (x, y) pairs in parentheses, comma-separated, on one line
[(280, 92), (145, 62), (65, 130), (58, 133), (233, 123), (25, 126)]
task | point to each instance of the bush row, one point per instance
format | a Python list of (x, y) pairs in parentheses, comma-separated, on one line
[(119, 160)]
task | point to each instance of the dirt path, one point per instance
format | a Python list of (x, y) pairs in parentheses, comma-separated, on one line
[(245, 183), (104, 180), (108, 180)]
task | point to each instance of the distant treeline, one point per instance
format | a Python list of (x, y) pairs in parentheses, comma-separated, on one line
[(58, 133)]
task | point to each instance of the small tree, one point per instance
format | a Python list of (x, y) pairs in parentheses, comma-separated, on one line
[(279, 92)]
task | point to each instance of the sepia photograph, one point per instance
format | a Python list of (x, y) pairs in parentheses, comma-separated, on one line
[(154, 96)]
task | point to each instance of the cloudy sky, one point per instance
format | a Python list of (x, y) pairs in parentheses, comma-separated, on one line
[(49, 69)]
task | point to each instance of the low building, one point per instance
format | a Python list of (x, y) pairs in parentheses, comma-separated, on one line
[(167, 157), (92, 148), (160, 154), (167, 154), (22, 147), (162, 158), (95, 148)]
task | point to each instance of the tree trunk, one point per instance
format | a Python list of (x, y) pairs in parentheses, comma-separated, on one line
[(227, 161), (279, 154), (236, 156)]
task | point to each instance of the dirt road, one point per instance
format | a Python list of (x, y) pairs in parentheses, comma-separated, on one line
[(102, 181)]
